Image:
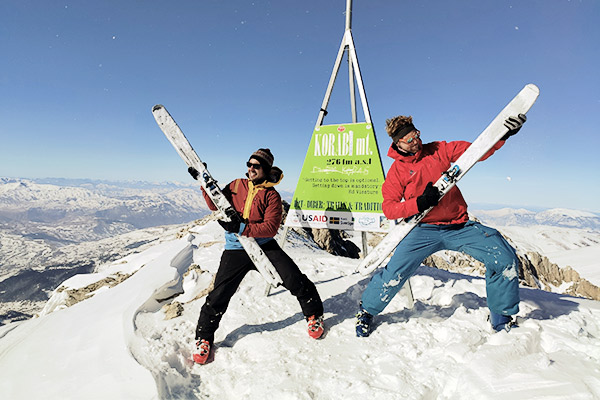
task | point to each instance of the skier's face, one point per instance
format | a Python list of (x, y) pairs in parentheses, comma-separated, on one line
[(255, 170), (410, 143)]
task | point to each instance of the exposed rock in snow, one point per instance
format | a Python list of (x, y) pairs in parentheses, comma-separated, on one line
[(333, 242)]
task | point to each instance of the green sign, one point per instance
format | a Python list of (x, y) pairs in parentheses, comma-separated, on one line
[(340, 182)]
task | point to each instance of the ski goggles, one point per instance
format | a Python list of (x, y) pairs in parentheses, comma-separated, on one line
[(412, 136), (416, 134), (407, 134)]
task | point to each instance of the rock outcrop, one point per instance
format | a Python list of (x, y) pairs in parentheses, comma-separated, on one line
[(331, 240)]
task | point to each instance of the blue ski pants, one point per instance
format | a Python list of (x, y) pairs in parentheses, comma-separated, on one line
[(483, 243)]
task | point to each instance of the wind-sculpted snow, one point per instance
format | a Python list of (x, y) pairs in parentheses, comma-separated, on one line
[(92, 342), (140, 347), (24, 291), (118, 344)]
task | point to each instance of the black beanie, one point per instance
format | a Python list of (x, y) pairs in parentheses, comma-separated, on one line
[(264, 157)]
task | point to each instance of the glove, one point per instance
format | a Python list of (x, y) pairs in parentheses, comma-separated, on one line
[(194, 173), (429, 198), (514, 124), (232, 226), (236, 225)]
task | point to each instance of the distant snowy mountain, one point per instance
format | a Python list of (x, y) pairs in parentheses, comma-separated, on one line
[(49, 216), (558, 217), (506, 216), (286, 195), (104, 209), (568, 218), (24, 289)]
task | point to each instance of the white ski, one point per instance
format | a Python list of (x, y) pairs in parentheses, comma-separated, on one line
[(488, 138), (225, 210)]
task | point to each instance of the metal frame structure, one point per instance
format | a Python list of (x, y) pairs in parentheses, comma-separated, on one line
[(347, 46)]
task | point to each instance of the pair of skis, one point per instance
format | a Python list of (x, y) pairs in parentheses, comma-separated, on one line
[(520, 104), (225, 210)]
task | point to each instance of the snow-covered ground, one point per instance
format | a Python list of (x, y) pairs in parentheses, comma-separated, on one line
[(118, 345)]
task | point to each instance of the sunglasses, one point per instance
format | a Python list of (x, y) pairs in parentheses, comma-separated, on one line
[(411, 136), (252, 165)]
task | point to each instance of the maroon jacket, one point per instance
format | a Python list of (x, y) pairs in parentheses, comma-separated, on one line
[(259, 204), (408, 176)]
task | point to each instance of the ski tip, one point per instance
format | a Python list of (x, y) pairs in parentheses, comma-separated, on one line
[(157, 107), (533, 87)]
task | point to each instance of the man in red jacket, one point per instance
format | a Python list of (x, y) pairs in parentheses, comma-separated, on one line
[(260, 209), (408, 189)]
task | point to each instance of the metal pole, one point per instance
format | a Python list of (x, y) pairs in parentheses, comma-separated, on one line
[(336, 67), (348, 14), (353, 96), (350, 64), (352, 92)]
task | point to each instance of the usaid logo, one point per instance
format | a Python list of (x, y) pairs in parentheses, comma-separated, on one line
[(314, 218)]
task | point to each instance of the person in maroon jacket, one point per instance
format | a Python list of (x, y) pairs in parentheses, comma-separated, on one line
[(408, 190), (260, 210)]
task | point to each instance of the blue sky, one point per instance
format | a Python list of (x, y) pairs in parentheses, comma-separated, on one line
[(79, 79)]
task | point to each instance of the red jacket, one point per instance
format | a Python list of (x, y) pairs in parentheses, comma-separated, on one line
[(408, 176), (259, 204)]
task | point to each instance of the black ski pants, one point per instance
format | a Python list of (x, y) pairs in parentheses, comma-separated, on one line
[(234, 266)]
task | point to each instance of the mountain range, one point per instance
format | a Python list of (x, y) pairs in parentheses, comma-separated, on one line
[(51, 229), (37, 217), (558, 217)]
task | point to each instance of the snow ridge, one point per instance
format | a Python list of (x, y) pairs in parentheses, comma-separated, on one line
[(441, 348)]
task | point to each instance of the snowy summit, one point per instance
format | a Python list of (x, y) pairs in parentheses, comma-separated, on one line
[(117, 344)]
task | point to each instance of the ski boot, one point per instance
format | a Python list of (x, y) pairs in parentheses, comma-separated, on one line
[(363, 323), (201, 351), (502, 322), (315, 326)]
